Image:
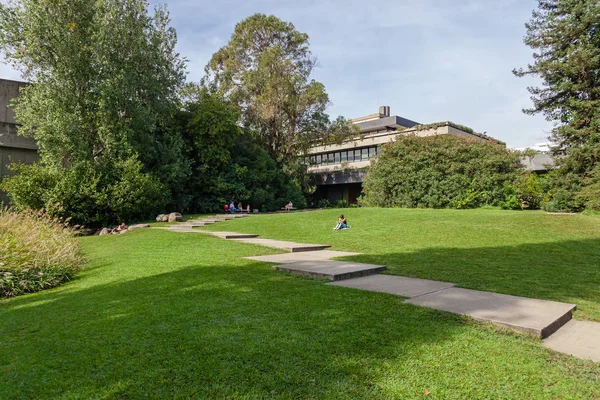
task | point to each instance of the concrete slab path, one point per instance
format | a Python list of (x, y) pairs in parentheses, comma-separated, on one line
[(318, 255), (398, 285), (230, 235), (332, 270), (539, 318), (283, 245), (577, 338)]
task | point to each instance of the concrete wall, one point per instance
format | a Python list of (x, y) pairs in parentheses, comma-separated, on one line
[(13, 148)]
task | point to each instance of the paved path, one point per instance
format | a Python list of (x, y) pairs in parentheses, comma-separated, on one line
[(545, 319)]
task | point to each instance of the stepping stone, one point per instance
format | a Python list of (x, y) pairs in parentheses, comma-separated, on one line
[(398, 285), (192, 224), (539, 318), (231, 235), (302, 256), (577, 338), (289, 246), (332, 270)]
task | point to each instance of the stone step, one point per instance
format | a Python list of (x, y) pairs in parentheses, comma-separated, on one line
[(232, 235), (332, 270), (398, 285), (538, 318), (302, 256), (283, 245), (577, 338)]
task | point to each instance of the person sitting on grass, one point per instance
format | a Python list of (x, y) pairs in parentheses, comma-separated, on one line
[(341, 224)]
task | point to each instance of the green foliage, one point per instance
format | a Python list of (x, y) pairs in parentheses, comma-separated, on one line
[(566, 38), (560, 192), (324, 203), (86, 194), (265, 71), (104, 87), (36, 252), (227, 163), (589, 194), (530, 190), (439, 172)]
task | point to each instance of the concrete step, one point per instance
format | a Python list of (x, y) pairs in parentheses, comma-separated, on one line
[(332, 270), (232, 235), (283, 245), (539, 318), (577, 338), (319, 255), (398, 285)]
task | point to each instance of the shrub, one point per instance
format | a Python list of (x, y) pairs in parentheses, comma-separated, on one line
[(530, 190), (37, 252), (441, 172), (324, 203), (87, 193)]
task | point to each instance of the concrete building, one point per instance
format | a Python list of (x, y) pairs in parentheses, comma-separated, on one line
[(339, 170), (13, 148)]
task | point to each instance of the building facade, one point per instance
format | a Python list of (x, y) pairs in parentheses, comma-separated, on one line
[(13, 148), (339, 170)]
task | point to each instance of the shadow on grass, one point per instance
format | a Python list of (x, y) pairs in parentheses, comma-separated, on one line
[(219, 331), (567, 271)]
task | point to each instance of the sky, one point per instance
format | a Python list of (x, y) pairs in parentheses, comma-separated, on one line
[(429, 60)]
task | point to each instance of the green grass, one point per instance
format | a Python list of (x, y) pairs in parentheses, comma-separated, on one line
[(160, 314), (523, 253)]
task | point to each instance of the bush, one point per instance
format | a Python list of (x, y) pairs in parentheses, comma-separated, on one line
[(561, 192), (87, 193), (441, 172), (37, 252), (324, 203), (530, 190)]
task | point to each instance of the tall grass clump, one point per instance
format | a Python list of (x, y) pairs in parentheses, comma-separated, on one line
[(37, 252)]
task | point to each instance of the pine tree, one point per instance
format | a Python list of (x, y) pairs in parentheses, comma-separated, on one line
[(565, 35)]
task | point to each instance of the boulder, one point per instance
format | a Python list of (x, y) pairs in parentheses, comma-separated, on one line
[(104, 231), (175, 217), (162, 218)]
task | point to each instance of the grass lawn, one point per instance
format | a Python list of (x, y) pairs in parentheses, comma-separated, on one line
[(523, 253), (161, 314)]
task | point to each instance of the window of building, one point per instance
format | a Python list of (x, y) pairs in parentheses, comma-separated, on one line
[(337, 156), (344, 156), (364, 154), (372, 152), (356, 155)]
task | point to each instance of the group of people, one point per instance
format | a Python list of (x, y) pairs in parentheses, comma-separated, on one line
[(231, 208)]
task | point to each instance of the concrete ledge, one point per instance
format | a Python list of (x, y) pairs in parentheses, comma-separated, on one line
[(397, 285), (283, 245), (286, 258), (332, 270), (232, 235), (539, 318), (577, 338)]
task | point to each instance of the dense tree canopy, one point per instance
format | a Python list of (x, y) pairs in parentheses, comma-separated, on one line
[(565, 35), (265, 70), (104, 79)]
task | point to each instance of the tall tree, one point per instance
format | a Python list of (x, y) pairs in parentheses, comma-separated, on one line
[(104, 79), (565, 35), (265, 70)]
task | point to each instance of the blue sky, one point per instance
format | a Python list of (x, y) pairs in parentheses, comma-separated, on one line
[(429, 60)]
